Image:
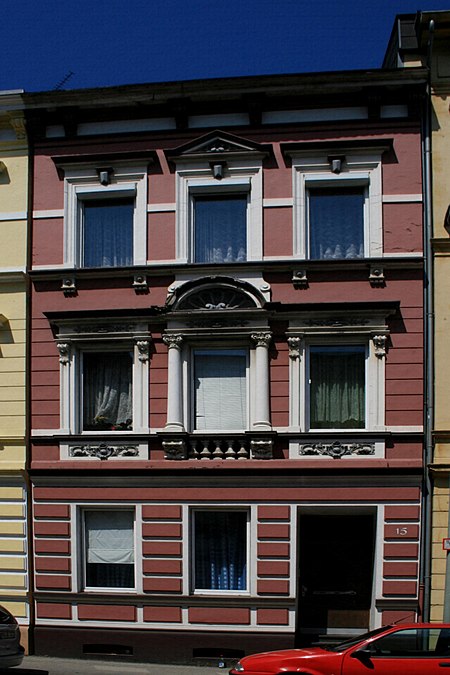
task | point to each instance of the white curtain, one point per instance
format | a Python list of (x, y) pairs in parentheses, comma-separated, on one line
[(108, 232), (220, 389), (336, 223), (107, 390), (221, 229)]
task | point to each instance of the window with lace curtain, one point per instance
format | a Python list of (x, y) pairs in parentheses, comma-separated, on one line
[(220, 228), (220, 550), (336, 222), (109, 549), (107, 232), (107, 391)]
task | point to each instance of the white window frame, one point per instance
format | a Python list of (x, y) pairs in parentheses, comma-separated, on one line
[(82, 557), (249, 567), (71, 386), (375, 377), (359, 169), (195, 179), (189, 384), (81, 185)]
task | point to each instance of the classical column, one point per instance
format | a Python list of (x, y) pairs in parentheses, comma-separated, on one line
[(262, 399), (175, 384)]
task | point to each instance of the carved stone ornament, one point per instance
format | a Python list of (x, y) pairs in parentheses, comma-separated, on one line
[(262, 339), (379, 342), (140, 283), (376, 276), (337, 322), (18, 125), (173, 341), (175, 449), (103, 451), (300, 279), (218, 298), (105, 328), (69, 286), (144, 350), (337, 449), (261, 448), (295, 344), (64, 349)]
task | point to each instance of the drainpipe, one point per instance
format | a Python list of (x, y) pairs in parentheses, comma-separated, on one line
[(425, 574)]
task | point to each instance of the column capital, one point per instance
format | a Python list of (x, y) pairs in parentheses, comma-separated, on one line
[(262, 339), (173, 341)]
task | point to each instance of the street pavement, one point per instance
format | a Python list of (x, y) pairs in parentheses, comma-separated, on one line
[(43, 665)]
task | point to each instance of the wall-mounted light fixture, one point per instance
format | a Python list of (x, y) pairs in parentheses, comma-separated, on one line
[(105, 175)]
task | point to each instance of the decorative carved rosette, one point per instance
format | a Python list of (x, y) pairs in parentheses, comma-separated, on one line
[(103, 451), (337, 449)]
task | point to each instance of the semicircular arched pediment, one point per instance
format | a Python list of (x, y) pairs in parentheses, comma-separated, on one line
[(215, 296)]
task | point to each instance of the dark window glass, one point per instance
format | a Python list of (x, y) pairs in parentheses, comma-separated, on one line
[(220, 225), (108, 232), (336, 223), (337, 387), (107, 391), (220, 550)]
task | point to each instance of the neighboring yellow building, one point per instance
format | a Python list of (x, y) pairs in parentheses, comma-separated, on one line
[(13, 254)]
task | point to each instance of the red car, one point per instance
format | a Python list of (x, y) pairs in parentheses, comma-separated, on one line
[(406, 649)]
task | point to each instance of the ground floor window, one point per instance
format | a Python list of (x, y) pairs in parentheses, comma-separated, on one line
[(220, 550), (109, 549)]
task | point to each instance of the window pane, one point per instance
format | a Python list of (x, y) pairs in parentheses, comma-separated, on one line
[(336, 223), (220, 228), (109, 545), (107, 391), (108, 232), (220, 550), (337, 377), (220, 389)]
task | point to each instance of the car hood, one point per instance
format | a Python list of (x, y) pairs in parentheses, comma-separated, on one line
[(283, 656)]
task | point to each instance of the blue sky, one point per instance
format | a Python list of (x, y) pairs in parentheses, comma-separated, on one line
[(111, 42)]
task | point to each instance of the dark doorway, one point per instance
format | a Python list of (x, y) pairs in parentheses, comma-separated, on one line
[(336, 554)]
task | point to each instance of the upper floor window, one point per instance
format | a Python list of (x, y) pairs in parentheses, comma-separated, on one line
[(219, 199), (220, 228), (107, 232), (105, 223), (107, 391), (338, 213), (220, 399), (336, 222), (337, 376)]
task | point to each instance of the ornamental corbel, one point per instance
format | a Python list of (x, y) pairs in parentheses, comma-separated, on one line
[(295, 344), (380, 342), (143, 350), (64, 349), (69, 286), (262, 339), (300, 279), (173, 341), (376, 276)]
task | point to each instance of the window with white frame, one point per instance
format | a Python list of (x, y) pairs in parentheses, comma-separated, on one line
[(220, 389), (107, 391), (109, 549), (338, 214), (220, 550), (103, 381), (337, 379), (219, 220), (105, 223)]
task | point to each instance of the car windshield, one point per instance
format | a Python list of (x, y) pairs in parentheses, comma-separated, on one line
[(342, 646)]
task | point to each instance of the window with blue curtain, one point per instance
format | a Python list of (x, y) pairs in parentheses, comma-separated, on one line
[(337, 387), (220, 551), (336, 222), (107, 391), (108, 232), (109, 549), (220, 228), (220, 389)]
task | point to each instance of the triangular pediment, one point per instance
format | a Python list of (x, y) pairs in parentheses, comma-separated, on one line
[(217, 143)]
